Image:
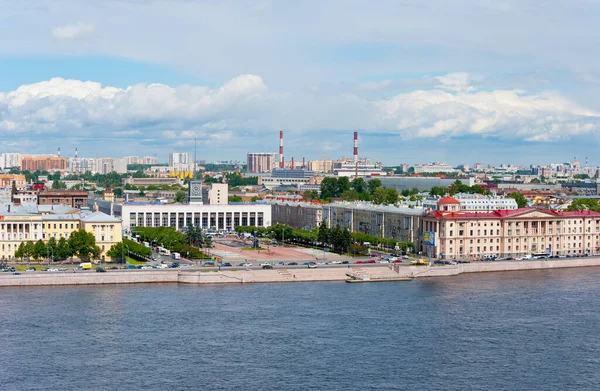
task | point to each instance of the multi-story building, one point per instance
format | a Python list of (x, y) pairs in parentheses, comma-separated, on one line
[(286, 177), (179, 158), (321, 165), (10, 160), (391, 222), (74, 199), (19, 224), (511, 233), (433, 168), (299, 215), (260, 162), (357, 167), (43, 163), (476, 203), (6, 180), (179, 216), (217, 194)]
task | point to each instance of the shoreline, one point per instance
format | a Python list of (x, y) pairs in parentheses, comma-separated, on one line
[(389, 273)]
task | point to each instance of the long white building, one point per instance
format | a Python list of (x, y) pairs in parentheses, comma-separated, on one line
[(218, 217)]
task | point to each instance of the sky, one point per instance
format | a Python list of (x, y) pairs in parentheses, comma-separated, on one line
[(491, 81)]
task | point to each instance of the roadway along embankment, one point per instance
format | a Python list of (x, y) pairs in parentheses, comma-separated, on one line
[(500, 266), (88, 278)]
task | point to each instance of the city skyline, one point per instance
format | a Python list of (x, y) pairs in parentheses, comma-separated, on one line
[(418, 80)]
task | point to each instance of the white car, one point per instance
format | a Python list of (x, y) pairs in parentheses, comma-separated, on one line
[(384, 261), (145, 267), (336, 262), (247, 265)]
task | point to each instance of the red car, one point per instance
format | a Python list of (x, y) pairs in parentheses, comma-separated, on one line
[(371, 261), (358, 262), (397, 261)]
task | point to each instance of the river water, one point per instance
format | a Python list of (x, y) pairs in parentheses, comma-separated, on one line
[(491, 331)]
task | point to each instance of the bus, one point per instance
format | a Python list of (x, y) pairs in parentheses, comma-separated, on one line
[(163, 251), (176, 255)]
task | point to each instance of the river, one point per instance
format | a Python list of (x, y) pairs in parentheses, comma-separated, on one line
[(490, 331)]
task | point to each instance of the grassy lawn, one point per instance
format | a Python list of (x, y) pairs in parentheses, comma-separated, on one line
[(132, 261)]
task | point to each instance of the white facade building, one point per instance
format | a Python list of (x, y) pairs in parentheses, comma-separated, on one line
[(218, 217), (179, 158), (8, 160), (476, 203), (433, 168)]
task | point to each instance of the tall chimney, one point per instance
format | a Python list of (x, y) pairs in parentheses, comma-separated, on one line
[(355, 147), (58, 151), (292, 162), (303, 163), (75, 153), (281, 165)]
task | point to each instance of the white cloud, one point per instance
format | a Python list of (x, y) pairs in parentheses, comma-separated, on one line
[(73, 31), (224, 115)]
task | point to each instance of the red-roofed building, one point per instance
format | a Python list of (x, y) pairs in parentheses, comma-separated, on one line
[(513, 233)]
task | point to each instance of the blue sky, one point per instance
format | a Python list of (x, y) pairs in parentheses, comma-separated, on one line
[(468, 81)]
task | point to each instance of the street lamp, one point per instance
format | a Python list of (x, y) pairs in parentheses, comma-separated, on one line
[(50, 259)]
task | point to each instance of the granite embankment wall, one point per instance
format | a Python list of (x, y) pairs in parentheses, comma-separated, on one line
[(282, 275), (502, 266), (88, 278)]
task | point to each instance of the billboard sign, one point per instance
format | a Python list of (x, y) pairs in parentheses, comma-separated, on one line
[(429, 238)]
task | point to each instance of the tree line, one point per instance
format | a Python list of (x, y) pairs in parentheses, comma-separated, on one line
[(355, 190), (81, 244)]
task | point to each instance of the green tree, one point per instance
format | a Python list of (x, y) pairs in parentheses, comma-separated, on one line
[(20, 252), (439, 191), (39, 250), (520, 198), (51, 247), (329, 188), (343, 184), (391, 195), (359, 185), (29, 249), (535, 180), (323, 234), (83, 244), (584, 204), (379, 196), (373, 184), (180, 196), (235, 198), (58, 185), (349, 195)]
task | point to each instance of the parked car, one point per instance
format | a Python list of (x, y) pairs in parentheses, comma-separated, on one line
[(280, 263), (293, 264), (312, 265), (31, 269), (100, 270), (371, 261), (438, 262), (358, 262), (345, 262), (267, 266), (227, 264), (16, 273), (175, 265), (397, 261)]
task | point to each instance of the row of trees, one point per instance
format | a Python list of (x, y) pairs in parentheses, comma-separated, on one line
[(81, 244), (125, 247), (190, 243), (355, 190), (337, 239), (458, 187)]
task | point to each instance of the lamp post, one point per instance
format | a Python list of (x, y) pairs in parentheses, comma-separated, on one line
[(50, 259)]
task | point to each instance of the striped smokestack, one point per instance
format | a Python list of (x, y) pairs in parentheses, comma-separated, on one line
[(281, 165), (75, 153), (58, 151), (355, 147), (292, 162)]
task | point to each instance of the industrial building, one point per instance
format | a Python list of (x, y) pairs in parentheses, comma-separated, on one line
[(420, 183), (356, 167), (433, 168), (390, 222)]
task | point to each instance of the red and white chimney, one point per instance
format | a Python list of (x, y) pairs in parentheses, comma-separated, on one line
[(75, 153), (281, 165), (355, 147), (58, 151)]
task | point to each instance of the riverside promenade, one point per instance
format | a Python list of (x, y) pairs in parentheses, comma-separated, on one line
[(248, 276)]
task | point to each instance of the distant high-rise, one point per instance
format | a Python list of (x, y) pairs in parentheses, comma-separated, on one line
[(179, 158), (259, 162)]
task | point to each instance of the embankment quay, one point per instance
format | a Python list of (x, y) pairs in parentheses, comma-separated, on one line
[(373, 273)]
